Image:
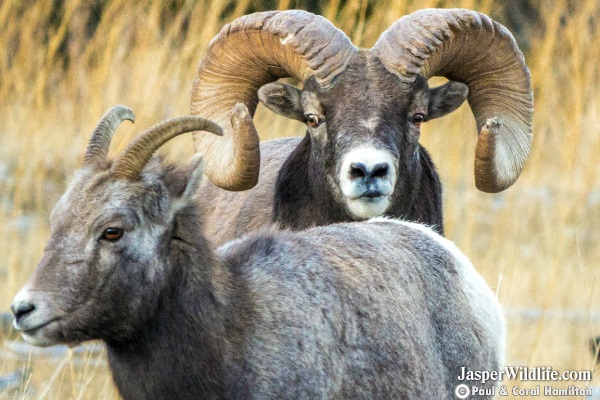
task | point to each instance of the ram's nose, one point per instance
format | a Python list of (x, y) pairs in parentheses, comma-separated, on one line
[(359, 170), (368, 174)]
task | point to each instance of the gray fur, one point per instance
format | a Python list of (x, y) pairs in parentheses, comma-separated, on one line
[(381, 309)]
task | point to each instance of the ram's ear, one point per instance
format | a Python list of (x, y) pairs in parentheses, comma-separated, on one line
[(446, 98), (282, 99), (194, 179)]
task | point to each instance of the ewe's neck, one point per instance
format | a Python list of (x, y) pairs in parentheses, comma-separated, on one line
[(179, 354)]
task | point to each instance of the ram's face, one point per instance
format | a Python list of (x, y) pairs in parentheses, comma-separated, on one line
[(99, 272), (365, 130)]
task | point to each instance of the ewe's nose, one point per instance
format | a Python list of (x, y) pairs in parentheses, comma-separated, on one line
[(360, 170), (21, 308)]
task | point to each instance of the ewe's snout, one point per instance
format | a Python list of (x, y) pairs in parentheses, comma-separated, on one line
[(367, 179), (21, 309), (33, 318)]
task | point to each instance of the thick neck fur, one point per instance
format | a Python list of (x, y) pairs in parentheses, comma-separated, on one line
[(426, 204), (179, 353), (303, 198)]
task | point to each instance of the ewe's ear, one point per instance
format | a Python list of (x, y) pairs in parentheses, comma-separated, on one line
[(446, 98), (282, 99), (192, 186)]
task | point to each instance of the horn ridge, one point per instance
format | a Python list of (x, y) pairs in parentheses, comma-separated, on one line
[(134, 158), (470, 47), (249, 52), (99, 143)]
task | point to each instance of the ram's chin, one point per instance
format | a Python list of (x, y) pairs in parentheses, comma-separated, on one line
[(367, 207)]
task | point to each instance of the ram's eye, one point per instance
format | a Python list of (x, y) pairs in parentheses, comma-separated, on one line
[(112, 234), (417, 119), (312, 120)]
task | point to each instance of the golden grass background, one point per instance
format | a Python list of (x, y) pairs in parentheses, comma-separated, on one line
[(536, 244)]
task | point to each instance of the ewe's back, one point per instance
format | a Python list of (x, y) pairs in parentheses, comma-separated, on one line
[(383, 309)]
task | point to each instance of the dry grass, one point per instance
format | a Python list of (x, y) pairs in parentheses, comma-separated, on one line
[(536, 244)]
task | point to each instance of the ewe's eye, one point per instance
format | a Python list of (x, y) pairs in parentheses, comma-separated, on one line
[(417, 119), (312, 120), (112, 234)]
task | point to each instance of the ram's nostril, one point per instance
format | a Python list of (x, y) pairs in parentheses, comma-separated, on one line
[(380, 170), (358, 170), (22, 308)]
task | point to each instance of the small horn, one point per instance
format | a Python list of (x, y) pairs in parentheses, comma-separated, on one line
[(470, 47), (248, 53), (134, 158), (98, 145)]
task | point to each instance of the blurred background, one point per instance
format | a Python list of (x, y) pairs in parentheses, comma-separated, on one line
[(64, 63)]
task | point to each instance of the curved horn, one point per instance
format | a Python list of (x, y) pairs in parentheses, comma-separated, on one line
[(97, 148), (134, 158), (469, 47), (249, 52)]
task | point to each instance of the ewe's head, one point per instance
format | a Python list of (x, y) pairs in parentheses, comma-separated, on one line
[(363, 107), (107, 257)]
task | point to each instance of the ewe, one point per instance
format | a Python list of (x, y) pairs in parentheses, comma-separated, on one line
[(367, 310)]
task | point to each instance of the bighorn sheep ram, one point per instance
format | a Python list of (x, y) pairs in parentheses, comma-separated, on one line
[(360, 157), (366, 310)]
